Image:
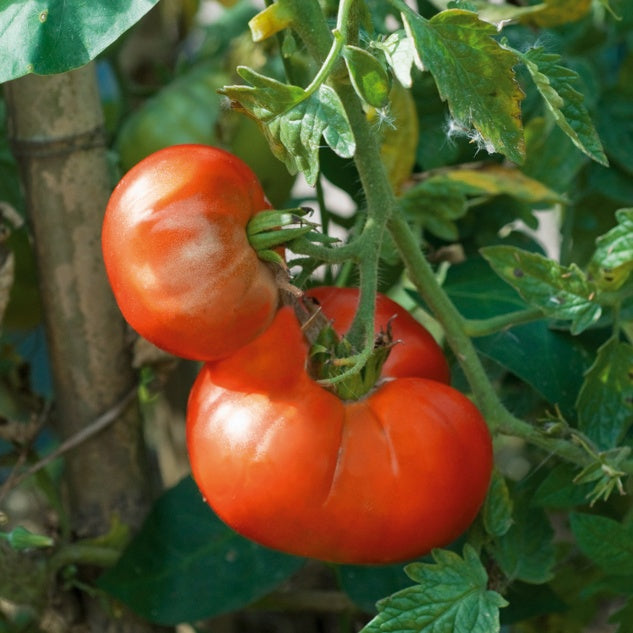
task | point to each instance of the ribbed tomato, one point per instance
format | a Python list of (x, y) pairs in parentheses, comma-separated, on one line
[(290, 465), (177, 256)]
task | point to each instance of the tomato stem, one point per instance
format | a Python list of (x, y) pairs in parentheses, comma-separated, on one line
[(484, 327)]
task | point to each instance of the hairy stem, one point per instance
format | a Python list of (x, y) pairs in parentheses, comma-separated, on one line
[(380, 199), (484, 327)]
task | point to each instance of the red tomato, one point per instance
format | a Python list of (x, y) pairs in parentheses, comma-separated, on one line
[(177, 256), (415, 353), (289, 465)]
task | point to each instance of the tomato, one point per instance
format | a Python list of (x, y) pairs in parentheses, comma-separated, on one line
[(290, 465), (415, 353), (177, 255)]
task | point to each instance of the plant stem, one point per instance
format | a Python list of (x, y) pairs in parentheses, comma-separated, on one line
[(422, 276), (327, 66), (484, 327), (84, 554), (380, 199)]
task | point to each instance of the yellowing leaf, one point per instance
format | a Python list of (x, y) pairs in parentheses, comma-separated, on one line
[(497, 180), (546, 14), (271, 20), (474, 75), (556, 12)]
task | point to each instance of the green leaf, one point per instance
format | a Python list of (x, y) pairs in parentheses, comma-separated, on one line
[(54, 36), (497, 510), (555, 83), (552, 362), (474, 74), (526, 552), (369, 78), (185, 564), (552, 158), (436, 206), (624, 618), (294, 121), (561, 292), (605, 402), (612, 261), (266, 98), (558, 489), (606, 542), (451, 597)]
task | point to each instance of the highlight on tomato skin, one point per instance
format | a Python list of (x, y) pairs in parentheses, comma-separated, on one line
[(288, 464), (177, 256)]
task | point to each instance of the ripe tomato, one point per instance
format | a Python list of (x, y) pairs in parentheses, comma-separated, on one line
[(288, 464), (177, 256), (415, 353)]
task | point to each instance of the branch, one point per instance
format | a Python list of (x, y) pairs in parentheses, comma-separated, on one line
[(73, 441)]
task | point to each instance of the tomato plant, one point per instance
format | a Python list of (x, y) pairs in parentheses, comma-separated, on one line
[(177, 255), (290, 465), (474, 156)]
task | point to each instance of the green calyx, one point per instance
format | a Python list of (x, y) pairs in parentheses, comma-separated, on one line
[(331, 356), (272, 229)]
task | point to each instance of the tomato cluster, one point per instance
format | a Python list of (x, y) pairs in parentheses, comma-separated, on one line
[(284, 461)]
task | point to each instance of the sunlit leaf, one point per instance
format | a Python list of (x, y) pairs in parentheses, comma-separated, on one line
[(545, 14), (497, 13), (452, 595), (612, 261), (294, 121), (562, 292), (496, 180), (53, 36), (475, 75), (399, 51), (368, 76)]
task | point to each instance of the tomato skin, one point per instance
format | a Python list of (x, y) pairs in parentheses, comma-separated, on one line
[(415, 354), (177, 255), (288, 464)]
